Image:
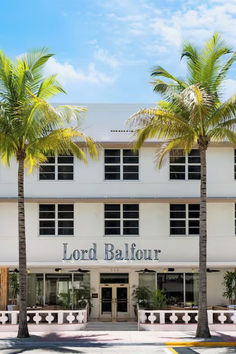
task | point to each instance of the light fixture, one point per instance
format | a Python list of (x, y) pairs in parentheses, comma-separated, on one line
[(165, 270), (58, 270), (28, 271), (171, 269)]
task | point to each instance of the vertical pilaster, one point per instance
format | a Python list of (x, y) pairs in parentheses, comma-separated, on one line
[(4, 288)]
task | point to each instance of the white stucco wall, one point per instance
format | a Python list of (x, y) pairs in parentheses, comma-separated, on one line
[(89, 179), (154, 217)]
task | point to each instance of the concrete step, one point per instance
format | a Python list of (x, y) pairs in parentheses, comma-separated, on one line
[(111, 326)]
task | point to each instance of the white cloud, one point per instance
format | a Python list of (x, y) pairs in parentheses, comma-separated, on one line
[(194, 21), (229, 88), (68, 73), (103, 56)]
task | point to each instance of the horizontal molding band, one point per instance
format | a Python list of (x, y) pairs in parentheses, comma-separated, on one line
[(130, 144), (119, 264), (186, 200)]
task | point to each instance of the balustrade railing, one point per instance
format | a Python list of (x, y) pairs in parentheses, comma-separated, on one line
[(184, 317), (46, 317)]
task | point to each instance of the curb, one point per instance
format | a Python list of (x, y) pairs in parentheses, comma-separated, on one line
[(200, 344)]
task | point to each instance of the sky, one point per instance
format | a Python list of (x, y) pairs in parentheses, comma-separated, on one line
[(105, 49)]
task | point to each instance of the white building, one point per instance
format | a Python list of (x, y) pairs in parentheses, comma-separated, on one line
[(118, 216)]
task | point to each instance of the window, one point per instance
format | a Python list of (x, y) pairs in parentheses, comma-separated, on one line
[(185, 167), (147, 280), (184, 219), (56, 219), (114, 278), (121, 164), (57, 168), (121, 219), (179, 288)]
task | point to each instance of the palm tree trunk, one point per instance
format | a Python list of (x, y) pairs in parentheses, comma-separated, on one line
[(202, 327), (23, 327)]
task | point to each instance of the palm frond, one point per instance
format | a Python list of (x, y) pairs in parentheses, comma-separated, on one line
[(160, 71), (225, 111), (49, 87), (193, 65), (61, 141), (224, 71), (222, 133), (184, 142)]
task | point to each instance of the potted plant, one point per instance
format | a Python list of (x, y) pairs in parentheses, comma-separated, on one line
[(229, 286), (13, 290), (142, 297), (82, 297), (158, 299)]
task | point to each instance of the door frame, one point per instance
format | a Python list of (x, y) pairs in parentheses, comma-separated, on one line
[(114, 315)]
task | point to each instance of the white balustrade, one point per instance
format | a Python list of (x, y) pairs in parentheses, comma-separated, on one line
[(46, 317), (156, 317)]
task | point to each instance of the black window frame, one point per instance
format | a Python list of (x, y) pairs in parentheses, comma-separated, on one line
[(184, 219), (121, 220), (184, 167), (124, 167), (60, 170), (60, 215)]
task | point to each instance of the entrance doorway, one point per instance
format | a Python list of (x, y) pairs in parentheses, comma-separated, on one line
[(114, 296), (114, 302)]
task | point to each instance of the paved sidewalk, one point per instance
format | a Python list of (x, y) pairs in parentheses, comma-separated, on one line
[(112, 341)]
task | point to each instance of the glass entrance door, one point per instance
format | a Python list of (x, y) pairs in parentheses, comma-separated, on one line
[(121, 302), (114, 302), (106, 302)]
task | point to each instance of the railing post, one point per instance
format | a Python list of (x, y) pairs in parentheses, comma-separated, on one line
[(14, 318), (210, 316), (162, 317), (60, 317)]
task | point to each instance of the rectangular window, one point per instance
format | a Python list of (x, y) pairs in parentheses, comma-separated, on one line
[(180, 288), (184, 166), (114, 278), (57, 168), (173, 286), (56, 219), (184, 219), (121, 219), (121, 164), (194, 164)]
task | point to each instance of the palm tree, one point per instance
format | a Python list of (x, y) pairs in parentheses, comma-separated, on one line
[(30, 130), (192, 114)]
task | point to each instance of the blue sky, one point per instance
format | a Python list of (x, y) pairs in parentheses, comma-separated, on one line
[(105, 49)]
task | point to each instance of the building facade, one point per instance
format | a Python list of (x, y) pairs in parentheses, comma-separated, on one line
[(119, 222)]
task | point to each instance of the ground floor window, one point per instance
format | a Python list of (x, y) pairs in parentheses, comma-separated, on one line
[(114, 278), (147, 280), (180, 288), (59, 291), (35, 290)]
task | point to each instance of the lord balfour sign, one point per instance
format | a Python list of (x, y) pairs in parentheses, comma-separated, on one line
[(129, 252)]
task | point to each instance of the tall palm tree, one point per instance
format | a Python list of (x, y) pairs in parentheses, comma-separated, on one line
[(192, 114), (30, 130)]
